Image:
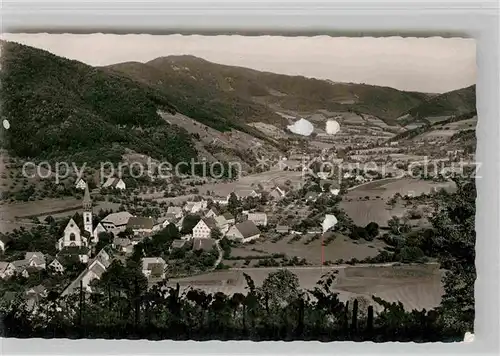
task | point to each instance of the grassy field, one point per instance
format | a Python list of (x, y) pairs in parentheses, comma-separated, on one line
[(376, 209), (341, 248), (416, 287)]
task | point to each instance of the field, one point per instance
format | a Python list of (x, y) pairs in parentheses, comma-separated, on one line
[(341, 248), (375, 209), (266, 179), (416, 287), (57, 208)]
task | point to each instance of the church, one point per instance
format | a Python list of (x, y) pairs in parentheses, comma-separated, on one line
[(74, 241)]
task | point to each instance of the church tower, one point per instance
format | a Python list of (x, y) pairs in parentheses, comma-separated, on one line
[(87, 211)]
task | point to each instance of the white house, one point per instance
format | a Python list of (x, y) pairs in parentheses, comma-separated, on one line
[(116, 183), (204, 228), (56, 266), (154, 267), (116, 222), (245, 231), (259, 219), (7, 270), (36, 259), (94, 271), (245, 193), (95, 234), (176, 211), (194, 207), (221, 200), (212, 213), (80, 184), (278, 192), (72, 237)]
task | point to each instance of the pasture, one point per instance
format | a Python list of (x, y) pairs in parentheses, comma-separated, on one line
[(417, 287)]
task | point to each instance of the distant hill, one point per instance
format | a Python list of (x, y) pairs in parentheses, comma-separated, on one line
[(60, 108), (452, 103), (241, 95)]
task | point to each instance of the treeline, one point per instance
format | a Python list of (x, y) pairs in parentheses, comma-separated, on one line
[(278, 310)]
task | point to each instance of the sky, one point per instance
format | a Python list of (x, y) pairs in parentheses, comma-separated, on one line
[(431, 65)]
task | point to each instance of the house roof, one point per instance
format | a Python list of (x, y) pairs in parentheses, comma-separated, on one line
[(3, 265), (117, 219), (98, 268), (282, 227), (74, 250), (112, 182), (228, 216), (148, 262), (178, 243), (247, 228), (210, 222), (121, 241), (20, 263), (139, 222), (257, 215), (38, 255), (156, 269), (214, 211), (39, 289), (243, 193), (203, 244), (174, 210)]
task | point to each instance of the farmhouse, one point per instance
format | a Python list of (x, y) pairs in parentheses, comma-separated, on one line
[(203, 244), (116, 222), (94, 271), (154, 267), (95, 234), (203, 229), (245, 193), (279, 192), (122, 244), (176, 244), (56, 265), (259, 219), (212, 213), (140, 225), (245, 231), (115, 183), (229, 218), (194, 207), (80, 184), (7, 270), (36, 259), (176, 211)]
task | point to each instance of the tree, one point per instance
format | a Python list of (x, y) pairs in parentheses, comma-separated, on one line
[(233, 204), (189, 223), (282, 287), (215, 233), (371, 230)]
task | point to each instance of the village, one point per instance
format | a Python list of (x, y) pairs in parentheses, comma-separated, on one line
[(207, 232)]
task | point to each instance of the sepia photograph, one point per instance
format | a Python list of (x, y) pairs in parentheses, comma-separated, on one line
[(231, 187)]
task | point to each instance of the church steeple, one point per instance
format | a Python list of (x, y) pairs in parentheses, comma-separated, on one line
[(87, 202), (87, 211)]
